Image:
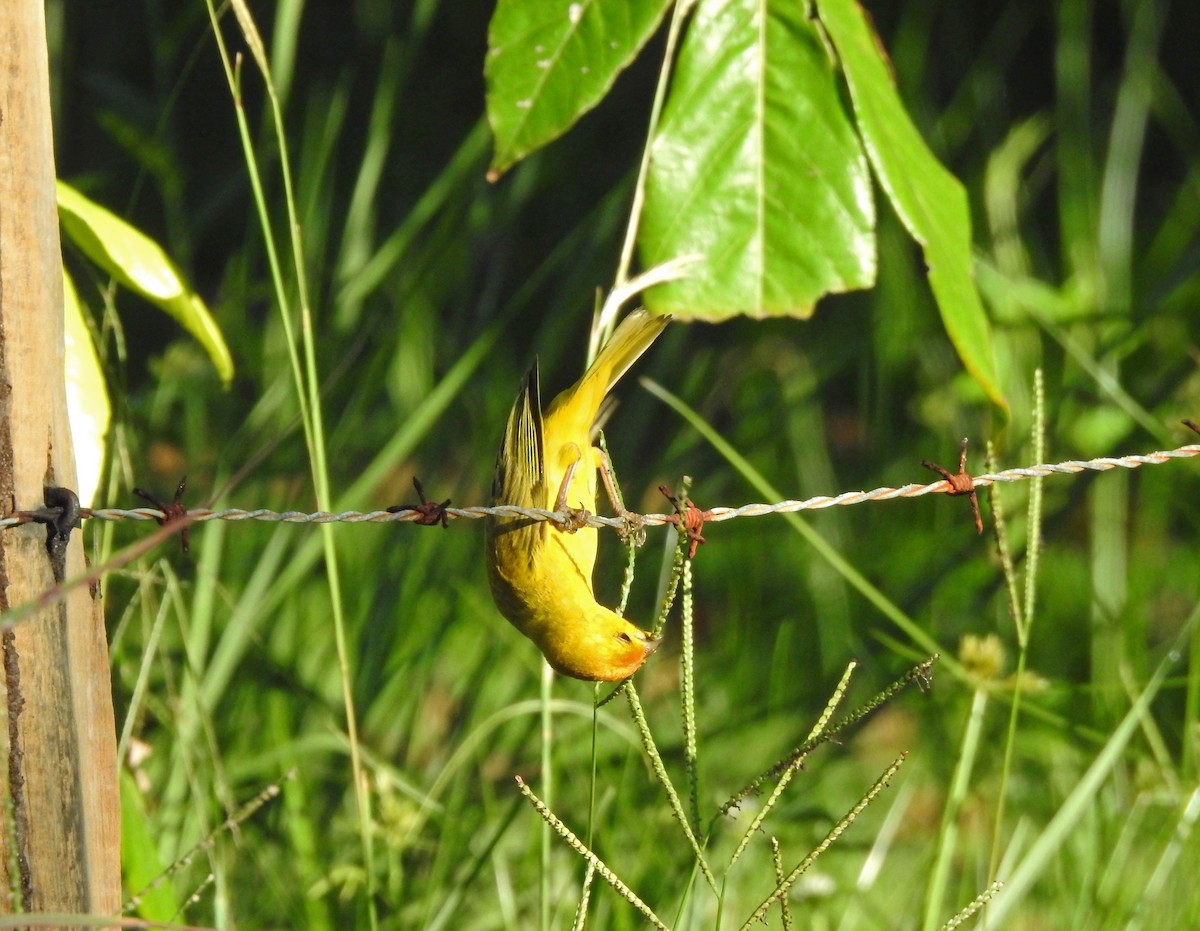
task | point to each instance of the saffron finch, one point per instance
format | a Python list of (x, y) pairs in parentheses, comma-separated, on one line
[(541, 574)]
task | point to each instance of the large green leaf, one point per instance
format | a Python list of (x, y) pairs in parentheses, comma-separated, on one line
[(928, 199), (139, 263), (549, 62), (756, 168)]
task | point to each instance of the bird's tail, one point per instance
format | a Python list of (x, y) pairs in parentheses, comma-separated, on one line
[(633, 337)]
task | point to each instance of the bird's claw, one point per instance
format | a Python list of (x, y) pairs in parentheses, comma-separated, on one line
[(572, 519), (632, 529)]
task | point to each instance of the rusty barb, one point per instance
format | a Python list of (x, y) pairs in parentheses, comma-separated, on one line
[(428, 513), (960, 482), (172, 511), (689, 520), (64, 516)]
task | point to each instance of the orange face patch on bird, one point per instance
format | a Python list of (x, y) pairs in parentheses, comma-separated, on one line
[(540, 574)]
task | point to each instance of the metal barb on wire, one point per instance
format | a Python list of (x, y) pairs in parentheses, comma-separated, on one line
[(716, 514), (960, 482)]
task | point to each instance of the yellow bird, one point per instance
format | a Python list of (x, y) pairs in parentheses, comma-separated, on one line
[(541, 574)]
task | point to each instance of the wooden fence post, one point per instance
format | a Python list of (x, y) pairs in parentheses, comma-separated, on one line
[(60, 814)]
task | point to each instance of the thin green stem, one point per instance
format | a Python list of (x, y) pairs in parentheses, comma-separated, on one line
[(556, 824), (687, 664), (581, 910), (547, 789), (1023, 621), (584, 898), (687, 697), (782, 888), (777, 862), (1034, 547), (660, 770), (974, 906), (792, 767), (307, 384), (822, 731), (935, 891), (678, 15)]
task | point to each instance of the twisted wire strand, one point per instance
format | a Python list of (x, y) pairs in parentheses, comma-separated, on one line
[(1070, 467)]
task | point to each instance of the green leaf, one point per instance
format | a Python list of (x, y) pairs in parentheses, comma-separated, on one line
[(139, 263), (548, 63), (756, 168), (928, 199), (88, 408), (139, 861)]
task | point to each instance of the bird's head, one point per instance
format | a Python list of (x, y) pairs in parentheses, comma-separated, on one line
[(606, 648)]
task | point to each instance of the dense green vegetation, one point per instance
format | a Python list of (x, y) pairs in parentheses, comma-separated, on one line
[(1074, 130)]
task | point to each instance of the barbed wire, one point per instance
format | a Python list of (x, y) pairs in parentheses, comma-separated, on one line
[(414, 513)]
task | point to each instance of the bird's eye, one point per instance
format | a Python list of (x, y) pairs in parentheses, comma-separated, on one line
[(624, 637)]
